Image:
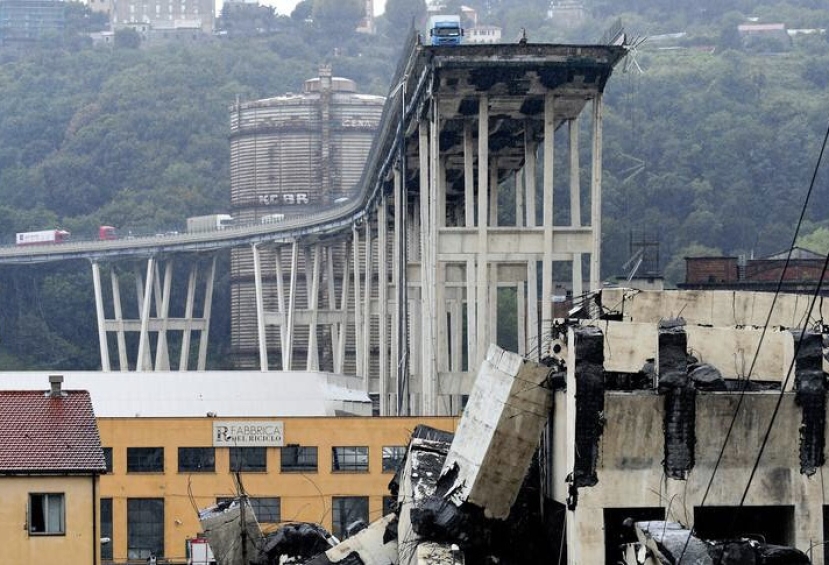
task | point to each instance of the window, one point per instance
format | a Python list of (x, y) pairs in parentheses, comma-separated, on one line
[(108, 458), (46, 512), (346, 510), (248, 459), (267, 510), (297, 458), (349, 459), (196, 459), (106, 528), (145, 527), (393, 456), (145, 460)]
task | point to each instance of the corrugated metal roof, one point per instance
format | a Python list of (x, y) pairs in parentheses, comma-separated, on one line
[(193, 394)]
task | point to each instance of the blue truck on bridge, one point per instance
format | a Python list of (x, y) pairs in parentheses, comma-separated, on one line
[(445, 30)]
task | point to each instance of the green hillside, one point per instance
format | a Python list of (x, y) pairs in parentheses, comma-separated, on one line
[(710, 142)]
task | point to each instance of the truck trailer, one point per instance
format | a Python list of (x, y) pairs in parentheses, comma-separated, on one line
[(43, 237), (445, 30), (107, 233), (211, 222)]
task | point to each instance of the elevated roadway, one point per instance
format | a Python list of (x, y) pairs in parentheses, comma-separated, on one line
[(451, 233)]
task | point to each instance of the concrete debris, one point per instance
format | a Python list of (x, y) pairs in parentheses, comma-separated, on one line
[(232, 531), (507, 409), (372, 545), (706, 377), (439, 554), (662, 542), (295, 543)]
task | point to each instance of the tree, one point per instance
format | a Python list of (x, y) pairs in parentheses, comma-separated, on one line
[(817, 241), (80, 18), (302, 11), (401, 14), (338, 17), (127, 38)]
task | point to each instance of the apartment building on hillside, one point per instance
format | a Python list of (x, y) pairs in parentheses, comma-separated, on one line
[(164, 15)]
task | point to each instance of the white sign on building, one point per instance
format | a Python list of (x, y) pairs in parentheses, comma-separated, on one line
[(248, 434)]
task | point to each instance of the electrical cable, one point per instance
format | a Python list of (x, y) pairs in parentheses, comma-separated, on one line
[(757, 351)]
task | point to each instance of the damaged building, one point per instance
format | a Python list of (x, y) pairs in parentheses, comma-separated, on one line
[(701, 408), (672, 427)]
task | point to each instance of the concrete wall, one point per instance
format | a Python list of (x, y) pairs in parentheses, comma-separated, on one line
[(715, 307), (627, 346), (79, 544), (630, 471), (629, 453)]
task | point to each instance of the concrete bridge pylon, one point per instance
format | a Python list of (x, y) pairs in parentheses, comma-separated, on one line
[(151, 321)]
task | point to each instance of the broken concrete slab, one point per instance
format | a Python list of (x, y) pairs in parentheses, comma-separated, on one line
[(430, 553), (499, 432), (670, 542), (232, 531), (374, 545), (296, 542), (417, 490)]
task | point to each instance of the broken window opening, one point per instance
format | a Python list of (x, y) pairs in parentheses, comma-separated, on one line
[(769, 524), (393, 456), (618, 532), (346, 510)]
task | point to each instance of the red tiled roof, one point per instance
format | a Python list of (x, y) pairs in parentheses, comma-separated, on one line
[(44, 434)]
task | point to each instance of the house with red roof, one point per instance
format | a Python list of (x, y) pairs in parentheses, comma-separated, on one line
[(50, 462)]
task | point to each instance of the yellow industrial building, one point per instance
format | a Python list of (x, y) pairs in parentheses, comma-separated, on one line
[(304, 446), (329, 470)]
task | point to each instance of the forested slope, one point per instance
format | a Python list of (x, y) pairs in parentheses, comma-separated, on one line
[(708, 143)]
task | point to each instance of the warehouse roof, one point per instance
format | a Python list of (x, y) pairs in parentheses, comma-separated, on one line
[(220, 393)]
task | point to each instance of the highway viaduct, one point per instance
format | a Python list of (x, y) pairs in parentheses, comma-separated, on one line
[(455, 214)]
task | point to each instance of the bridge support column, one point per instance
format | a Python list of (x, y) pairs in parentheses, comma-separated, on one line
[(99, 315), (575, 202), (260, 307), (482, 269), (143, 360), (533, 345), (596, 195), (401, 353), (151, 288), (383, 305), (547, 209)]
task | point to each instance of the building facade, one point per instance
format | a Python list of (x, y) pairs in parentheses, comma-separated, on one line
[(327, 471), (798, 271), (166, 15), (50, 462), (25, 21), (715, 419)]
